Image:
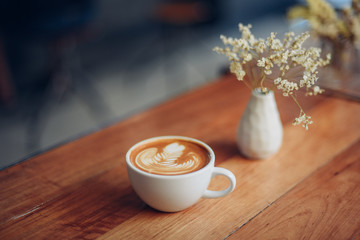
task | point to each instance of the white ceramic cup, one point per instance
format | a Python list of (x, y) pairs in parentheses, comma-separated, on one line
[(177, 192)]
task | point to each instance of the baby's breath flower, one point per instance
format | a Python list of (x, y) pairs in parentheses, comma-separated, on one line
[(305, 120), (261, 62), (286, 86), (275, 60), (236, 68), (327, 22), (337, 29), (315, 91), (277, 81)]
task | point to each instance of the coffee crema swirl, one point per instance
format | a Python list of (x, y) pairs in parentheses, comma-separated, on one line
[(170, 157)]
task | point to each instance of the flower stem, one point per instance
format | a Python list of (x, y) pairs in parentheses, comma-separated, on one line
[(263, 77), (297, 103), (247, 85)]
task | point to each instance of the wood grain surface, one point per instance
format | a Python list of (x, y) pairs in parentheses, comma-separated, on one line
[(323, 206), (307, 190)]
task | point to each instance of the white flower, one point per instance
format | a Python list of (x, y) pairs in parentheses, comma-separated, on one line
[(305, 120), (286, 63)]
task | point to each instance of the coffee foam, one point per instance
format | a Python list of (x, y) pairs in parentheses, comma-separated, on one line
[(170, 157)]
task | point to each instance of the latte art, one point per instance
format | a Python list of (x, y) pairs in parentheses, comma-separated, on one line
[(170, 157)]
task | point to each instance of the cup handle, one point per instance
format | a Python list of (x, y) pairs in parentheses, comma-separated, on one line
[(229, 175)]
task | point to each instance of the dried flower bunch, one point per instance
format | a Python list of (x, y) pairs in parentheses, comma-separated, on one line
[(336, 26), (272, 63)]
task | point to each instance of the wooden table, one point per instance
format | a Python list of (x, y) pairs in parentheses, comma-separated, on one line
[(310, 189)]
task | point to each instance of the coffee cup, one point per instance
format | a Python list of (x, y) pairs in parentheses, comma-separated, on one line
[(172, 173)]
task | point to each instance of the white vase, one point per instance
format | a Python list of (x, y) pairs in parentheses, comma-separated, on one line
[(260, 131)]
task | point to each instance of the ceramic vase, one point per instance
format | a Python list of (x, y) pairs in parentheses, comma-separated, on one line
[(260, 132)]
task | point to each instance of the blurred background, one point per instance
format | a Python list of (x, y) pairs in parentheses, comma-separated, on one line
[(72, 67)]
